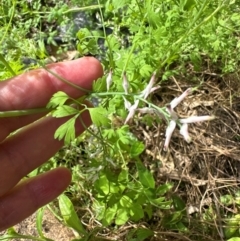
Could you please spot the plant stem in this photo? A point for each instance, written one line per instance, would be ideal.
(2, 59)
(14, 113)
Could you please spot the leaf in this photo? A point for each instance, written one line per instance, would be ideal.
(163, 189)
(232, 226)
(139, 234)
(57, 99)
(145, 176)
(136, 212)
(136, 148)
(234, 239)
(161, 203)
(66, 131)
(102, 185)
(146, 70)
(120, 3)
(122, 216)
(99, 117)
(100, 85)
(64, 110)
(39, 218)
(125, 201)
(109, 215)
(178, 203)
(69, 215)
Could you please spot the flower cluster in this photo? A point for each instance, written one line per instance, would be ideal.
(173, 119)
(182, 122)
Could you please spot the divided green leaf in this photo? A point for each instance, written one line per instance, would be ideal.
(57, 99)
(99, 117)
(66, 130)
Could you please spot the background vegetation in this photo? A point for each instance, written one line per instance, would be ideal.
(125, 187)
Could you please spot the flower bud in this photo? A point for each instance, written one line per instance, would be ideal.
(148, 88)
(109, 79)
(125, 83)
(184, 133)
(179, 99)
(168, 135)
(132, 111)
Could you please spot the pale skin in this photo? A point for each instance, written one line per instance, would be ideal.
(35, 144)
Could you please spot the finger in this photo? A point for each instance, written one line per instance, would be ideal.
(31, 147)
(32, 194)
(35, 88)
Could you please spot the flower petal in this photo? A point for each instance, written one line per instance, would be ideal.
(179, 99)
(184, 133)
(172, 113)
(146, 110)
(132, 111)
(148, 88)
(127, 104)
(168, 135)
(193, 119)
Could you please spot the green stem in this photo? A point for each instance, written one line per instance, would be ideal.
(65, 80)
(2, 59)
(14, 113)
(72, 10)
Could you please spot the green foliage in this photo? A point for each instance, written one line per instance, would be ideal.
(69, 215)
(120, 197)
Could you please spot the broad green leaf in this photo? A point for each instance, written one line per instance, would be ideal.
(66, 130)
(39, 218)
(57, 99)
(139, 234)
(122, 216)
(136, 212)
(227, 199)
(145, 176)
(125, 201)
(123, 176)
(64, 110)
(109, 215)
(136, 148)
(163, 189)
(172, 218)
(232, 227)
(120, 3)
(178, 203)
(99, 117)
(69, 215)
(102, 185)
(234, 239)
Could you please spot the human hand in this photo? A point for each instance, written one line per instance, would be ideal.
(34, 144)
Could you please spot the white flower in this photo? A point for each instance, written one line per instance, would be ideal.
(132, 110)
(168, 135)
(184, 133)
(183, 122)
(149, 88)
